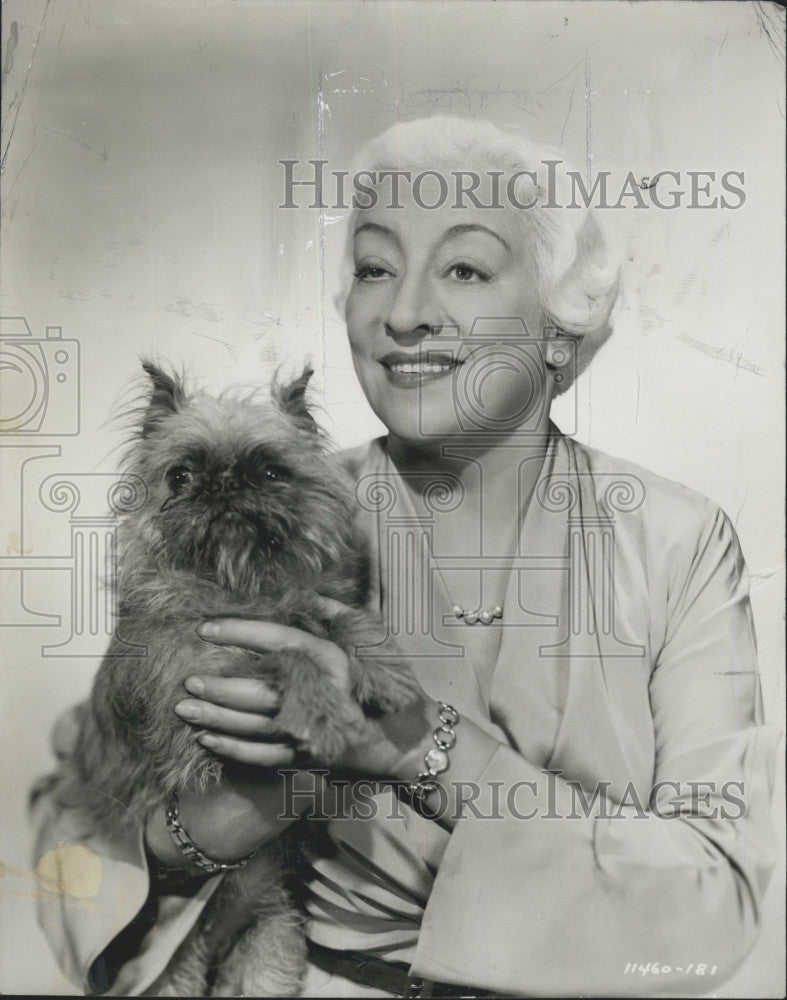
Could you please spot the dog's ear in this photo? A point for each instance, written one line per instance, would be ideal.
(291, 399)
(167, 396)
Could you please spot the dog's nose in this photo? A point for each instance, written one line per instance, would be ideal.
(227, 482)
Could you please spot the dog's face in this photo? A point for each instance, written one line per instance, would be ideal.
(238, 490)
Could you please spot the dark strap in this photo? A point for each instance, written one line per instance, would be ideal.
(391, 977)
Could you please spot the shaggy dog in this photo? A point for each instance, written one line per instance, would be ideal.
(245, 514)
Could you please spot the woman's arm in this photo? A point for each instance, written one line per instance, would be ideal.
(113, 915)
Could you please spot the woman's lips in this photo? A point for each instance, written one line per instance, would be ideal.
(407, 372)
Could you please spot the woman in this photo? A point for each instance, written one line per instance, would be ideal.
(593, 815)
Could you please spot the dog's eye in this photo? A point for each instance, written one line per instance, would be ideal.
(259, 470)
(179, 477)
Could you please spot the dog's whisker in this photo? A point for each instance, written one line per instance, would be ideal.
(100, 791)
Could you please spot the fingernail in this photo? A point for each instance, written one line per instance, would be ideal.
(207, 740)
(208, 629)
(195, 685)
(188, 709)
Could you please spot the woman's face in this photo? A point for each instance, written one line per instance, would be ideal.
(444, 322)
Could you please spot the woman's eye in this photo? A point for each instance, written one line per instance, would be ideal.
(179, 477)
(466, 273)
(371, 273)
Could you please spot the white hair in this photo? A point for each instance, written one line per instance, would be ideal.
(577, 272)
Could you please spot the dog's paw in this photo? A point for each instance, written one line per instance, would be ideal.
(387, 685)
(268, 960)
(381, 677)
(321, 718)
(325, 742)
(323, 726)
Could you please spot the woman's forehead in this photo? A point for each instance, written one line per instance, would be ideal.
(410, 222)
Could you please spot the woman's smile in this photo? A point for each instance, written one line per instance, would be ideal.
(425, 284)
(409, 371)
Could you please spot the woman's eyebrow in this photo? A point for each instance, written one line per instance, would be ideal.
(470, 227)
(376, 228)
(457, 230)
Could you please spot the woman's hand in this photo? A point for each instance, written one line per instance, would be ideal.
(253, 803)
(240, 712)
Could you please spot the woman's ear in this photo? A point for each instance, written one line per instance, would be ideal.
(167, 396)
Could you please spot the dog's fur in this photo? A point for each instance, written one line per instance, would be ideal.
(246, 514)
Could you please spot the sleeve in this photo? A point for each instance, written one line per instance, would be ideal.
(577, 901)
(109, 925)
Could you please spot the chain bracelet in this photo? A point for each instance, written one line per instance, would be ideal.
(436, 758)
(190, 850)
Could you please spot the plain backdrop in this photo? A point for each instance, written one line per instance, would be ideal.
(140, 193)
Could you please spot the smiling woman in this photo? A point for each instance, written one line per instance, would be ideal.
(419, 287)
(569, 267)
(417, 272)
(582, 781)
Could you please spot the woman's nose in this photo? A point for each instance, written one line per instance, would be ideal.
(413, 311)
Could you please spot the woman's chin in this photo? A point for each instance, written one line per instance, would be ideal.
(422, 430)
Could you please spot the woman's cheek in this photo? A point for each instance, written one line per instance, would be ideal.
(361, 313)
(469, 304)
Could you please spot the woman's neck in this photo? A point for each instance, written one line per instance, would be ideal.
(495, 457)
(497, 478)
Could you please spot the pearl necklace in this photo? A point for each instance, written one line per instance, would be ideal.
(485, 617)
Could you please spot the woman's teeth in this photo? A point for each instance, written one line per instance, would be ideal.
(421, 367)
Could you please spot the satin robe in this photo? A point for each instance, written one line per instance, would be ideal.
(626, 670)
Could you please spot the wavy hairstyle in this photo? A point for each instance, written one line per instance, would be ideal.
(578, 273)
